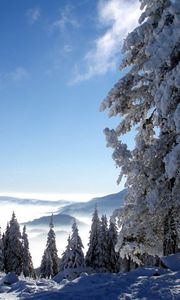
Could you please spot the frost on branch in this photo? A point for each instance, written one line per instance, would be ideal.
(121, 154)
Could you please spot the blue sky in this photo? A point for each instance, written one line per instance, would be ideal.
(58, 61)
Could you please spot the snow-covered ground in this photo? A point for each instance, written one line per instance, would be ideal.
(142, 283)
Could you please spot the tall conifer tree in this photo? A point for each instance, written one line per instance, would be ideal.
(76, 246)
(66, 257)
(112, 241)
(93, 253)
(1, 253)
(13, 250)
(147, 97)
(28, 269)
(103, 245)
(49, 263)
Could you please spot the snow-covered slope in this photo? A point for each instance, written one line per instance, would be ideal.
(138, 284)
(171, 261)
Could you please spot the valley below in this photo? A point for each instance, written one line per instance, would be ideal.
(35, 214)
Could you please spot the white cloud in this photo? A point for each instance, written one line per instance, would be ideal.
(67, 48)
(118, 17)
(14, 76)
(65, 19)
(17, 74)
(33, 15)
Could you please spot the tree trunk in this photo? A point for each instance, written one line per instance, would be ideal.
(170, 245)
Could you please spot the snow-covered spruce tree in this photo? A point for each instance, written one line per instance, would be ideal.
(66, 257)
(52, 247)
(76, 252)
(1, 253)
(5, 239)
(104, 255)
(93, 253)
(13, 250)
(27, 268)
(148, 97)
(46, 268)
(112, 241)
(49, 263)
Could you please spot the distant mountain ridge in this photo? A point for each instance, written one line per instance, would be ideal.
(106, 205)
(67, 211)
(58, 219)
(20, 201)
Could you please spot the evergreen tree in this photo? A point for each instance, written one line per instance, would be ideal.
(76, 246)
(112, 241)
(93, 253)
(52, 247)
(13, 250)
(46, 268)
(49, 263)
(104, 257)
(66, 257)
(1, 253)
(5, 239)
(28, 269)
(147, 97)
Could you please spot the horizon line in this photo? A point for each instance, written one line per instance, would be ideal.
(53, 196)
